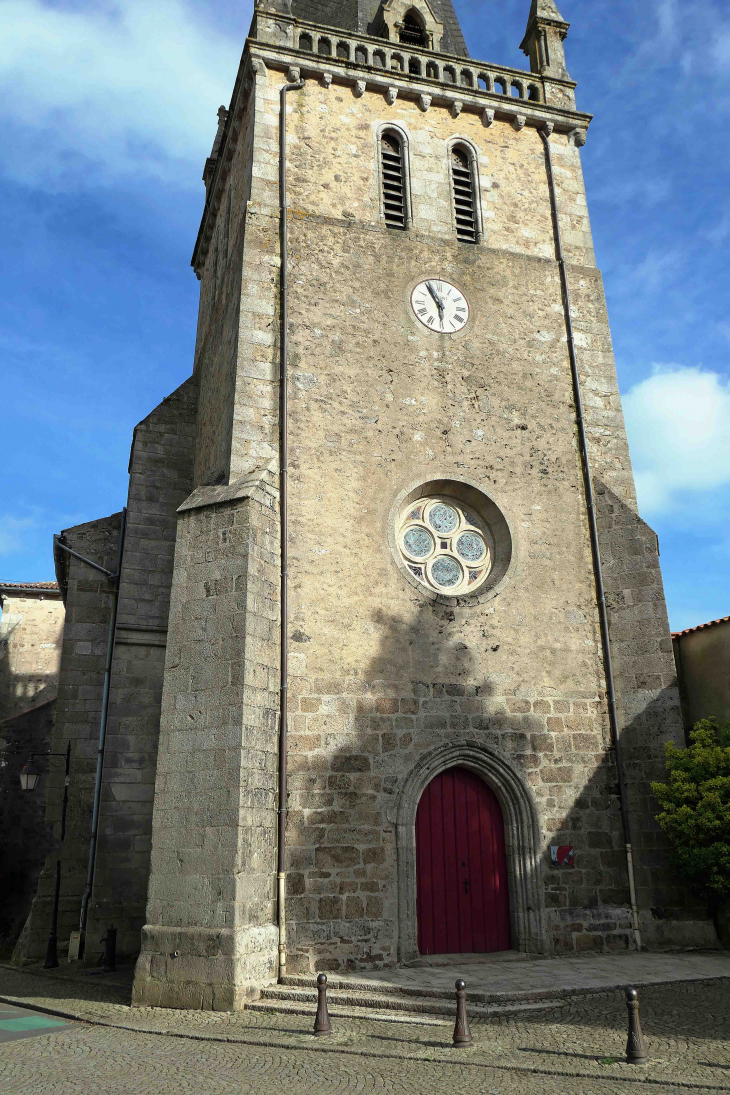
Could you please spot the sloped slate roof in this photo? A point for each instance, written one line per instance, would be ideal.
(358, 16)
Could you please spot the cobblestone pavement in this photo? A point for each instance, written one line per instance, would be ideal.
(575, 1049)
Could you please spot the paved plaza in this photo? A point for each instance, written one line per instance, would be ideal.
(572, 1046)
(510, 973)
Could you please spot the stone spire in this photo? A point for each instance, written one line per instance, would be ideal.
(543, 41)
(366, 17)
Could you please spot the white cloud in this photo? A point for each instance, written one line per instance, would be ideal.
(677, 422)
(129, 87)
(656, 269)
(11, 533)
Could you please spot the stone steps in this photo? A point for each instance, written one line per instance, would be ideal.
(364, 1001)
(337, 1011)
(407, 992)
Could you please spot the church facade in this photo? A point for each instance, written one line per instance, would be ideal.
(447, 746)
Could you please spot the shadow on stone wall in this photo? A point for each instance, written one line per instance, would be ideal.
(427, 686)
(26, 836)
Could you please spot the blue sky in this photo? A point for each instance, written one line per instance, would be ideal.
(107, 112)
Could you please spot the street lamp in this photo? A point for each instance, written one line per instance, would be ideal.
(29, 777)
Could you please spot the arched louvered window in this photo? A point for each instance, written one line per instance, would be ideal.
(465, 208)
(412, 32)
(394, 182)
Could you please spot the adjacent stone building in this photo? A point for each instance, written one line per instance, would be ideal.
(702, 656)
(453, 783)
(31, 628)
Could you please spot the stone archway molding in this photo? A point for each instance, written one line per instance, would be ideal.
(522, 838)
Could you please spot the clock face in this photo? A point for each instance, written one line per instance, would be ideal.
(440, 306)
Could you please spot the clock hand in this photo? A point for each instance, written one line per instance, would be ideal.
(437, 299)
(439, 302)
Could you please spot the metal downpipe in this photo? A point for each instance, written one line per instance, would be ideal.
(284, 527)
(595, 546)
(102, 739)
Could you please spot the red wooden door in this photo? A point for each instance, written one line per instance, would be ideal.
(461, 867)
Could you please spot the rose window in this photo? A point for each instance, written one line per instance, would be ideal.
(445, 545)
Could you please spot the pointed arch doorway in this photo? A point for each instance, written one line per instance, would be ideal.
(461, 867)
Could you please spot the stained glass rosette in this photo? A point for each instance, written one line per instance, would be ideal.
(444, 545)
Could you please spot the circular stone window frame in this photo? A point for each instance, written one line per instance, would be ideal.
(465, 492)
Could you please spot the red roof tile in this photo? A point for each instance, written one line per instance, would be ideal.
(700, 627)
(28, 585)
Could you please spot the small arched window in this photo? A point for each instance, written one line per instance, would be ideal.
(412, 32)
(393, 180)
(465, 206)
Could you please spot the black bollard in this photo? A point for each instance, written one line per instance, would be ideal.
(636, 1052)
(109, 961)
(322, 1023)
(462, 1034)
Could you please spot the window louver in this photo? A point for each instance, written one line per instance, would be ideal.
(464, 205)
(394, 199)
(411, 32)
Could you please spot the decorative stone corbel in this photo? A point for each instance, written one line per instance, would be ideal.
(326, 79)
(547, 128)
(424, 102)
(359, 88)
(294, 75)
(518, 122)
(257, 66)
(391, 95)
(577, 137)
(456, 108)
(487, 118)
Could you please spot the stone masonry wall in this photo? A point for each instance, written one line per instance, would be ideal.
(78, 713)
(384, 674)
(31, 628)
(645, 673)
(161, 467)
(235, 331)
(210, 940)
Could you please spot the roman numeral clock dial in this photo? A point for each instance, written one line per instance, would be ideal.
(439, 306)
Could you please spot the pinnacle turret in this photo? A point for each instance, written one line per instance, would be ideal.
(544, 9)
(544, 37)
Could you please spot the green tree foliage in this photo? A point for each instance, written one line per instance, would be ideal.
(695, 811)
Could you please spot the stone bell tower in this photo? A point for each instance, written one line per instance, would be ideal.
(453, 781)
